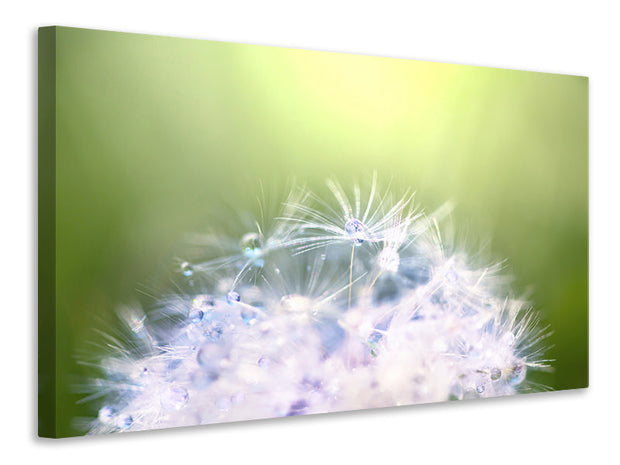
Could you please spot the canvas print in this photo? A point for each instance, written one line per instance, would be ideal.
(233, 232)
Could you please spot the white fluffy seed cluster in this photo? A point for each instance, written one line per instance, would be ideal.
(350, 304)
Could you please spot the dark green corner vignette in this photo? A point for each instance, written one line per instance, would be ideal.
(47, 232)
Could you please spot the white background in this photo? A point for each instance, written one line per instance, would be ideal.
(563, 37)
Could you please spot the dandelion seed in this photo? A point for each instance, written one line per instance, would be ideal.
(389, 260)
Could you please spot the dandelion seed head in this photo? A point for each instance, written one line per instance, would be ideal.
(291, 320)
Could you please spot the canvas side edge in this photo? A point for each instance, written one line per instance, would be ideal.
(46, 229)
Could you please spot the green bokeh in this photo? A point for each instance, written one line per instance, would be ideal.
(153, 132)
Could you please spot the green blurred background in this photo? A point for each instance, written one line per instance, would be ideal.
(153, 132)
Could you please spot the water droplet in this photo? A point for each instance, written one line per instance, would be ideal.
(106, 415)
(496, 374)
(173, 398)
(214, 333)
(323, 256)
(124, 421)
(296, 303)
(254, 297)
(251, 245)
(264, 362)
(248, 315)
(210, 356)
(297, 408)
(517, 374)
(233, 297)
(201, 380)
(480, 388)
(356, 231)
(187, 269)
(196, 315)
(174, 364)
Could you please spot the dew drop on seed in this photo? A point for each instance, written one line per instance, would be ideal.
(480, 388)
(356, 231)
(201, 380)
(297, 408)
(496, 374)
(248, 315)
(174, 398)
(196, 315)
(233, 297)
(106, 414)
(214, 333)
(251, 245)
(124, 421)
(187, 269)
(517, 374)
(209, 357)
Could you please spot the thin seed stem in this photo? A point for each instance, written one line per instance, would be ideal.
(351, 274)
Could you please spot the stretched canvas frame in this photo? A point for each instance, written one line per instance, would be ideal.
(230, 232)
